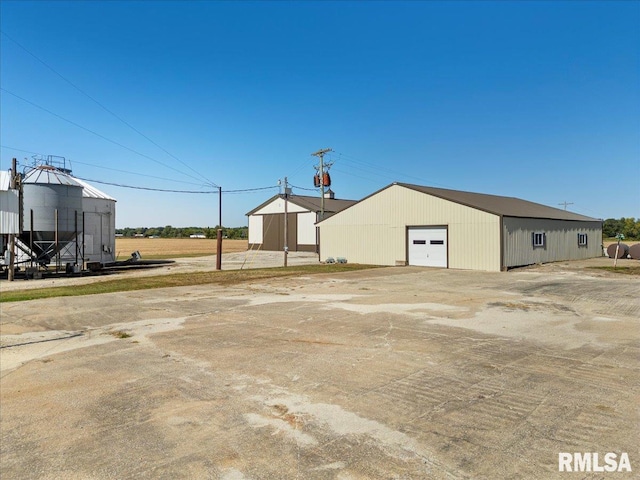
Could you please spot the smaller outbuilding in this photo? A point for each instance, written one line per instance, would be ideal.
(99, 212)
(266, 221)
(9, 206)
(405, 224)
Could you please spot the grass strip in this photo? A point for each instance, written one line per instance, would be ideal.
(219, 277)
(624, 270)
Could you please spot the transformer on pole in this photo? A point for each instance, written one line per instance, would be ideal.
(322, 178)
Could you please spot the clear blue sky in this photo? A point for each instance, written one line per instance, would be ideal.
(538, 100)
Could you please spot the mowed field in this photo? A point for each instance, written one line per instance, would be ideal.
(174, 247)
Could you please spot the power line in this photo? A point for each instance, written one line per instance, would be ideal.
(145, 188)
(383, 172)
(104, 168)
(244, 190)
(98, 134)
(105, 108)
(237, 191)
(20, 150)
(308, 189)
(136, 173)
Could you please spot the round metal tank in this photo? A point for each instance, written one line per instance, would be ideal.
(623, 251)
(45, 191)
(634, 251)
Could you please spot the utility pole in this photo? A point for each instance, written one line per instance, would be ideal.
(321, 171)
(565, 204)
(219, 238)
(286, 220)
(12, 236)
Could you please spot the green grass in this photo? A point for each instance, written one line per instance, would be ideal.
(615, 240)
(623, 270)
(224, 277)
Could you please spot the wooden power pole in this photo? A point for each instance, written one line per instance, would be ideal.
(321, 171)
(286, 220)
(12, 236)
(219, 233)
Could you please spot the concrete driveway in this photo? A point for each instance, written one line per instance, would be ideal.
(403, 373)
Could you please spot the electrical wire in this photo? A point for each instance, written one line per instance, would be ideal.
(98, 134)
(247, 190)
(237, 191)
(145, 188)
(308, 189)
(106, 109)
(383, 172)
(20, 150)
(135, 173)
(244, 190)
(102, 167)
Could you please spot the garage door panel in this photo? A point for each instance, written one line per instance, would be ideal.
(427, 246)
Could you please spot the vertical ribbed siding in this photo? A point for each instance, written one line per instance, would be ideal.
(307, 228)
(561, 242)
(255, 229)
(9, 212)
(374, 230)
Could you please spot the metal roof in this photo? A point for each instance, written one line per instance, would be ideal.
(504, 206)
(495, 204)
(89, 191)
(331, 205)
(45, 174)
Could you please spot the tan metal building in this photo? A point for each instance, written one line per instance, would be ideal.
(405, 224)
(266, 222)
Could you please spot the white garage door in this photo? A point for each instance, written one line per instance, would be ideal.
(428, 246)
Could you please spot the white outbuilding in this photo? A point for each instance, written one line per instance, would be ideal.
(99, 234)
(266, 221)
(405, 224)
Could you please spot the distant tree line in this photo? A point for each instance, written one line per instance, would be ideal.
(185, 232)
(629, 227)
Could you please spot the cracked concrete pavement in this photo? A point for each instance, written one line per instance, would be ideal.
(388, 373)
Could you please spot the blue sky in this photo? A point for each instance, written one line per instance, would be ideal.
(537, 100)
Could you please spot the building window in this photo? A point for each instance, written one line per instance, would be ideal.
(582, 239)
(539, 239)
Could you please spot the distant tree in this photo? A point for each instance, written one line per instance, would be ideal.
(629, 227)
(184, 232)
(236, 233)
(167, 232)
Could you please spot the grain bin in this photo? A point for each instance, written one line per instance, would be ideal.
(52, 211)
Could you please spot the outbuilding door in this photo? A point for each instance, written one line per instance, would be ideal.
(427, 246)
(273, 232)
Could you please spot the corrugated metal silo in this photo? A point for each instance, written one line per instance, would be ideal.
(55, 199)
